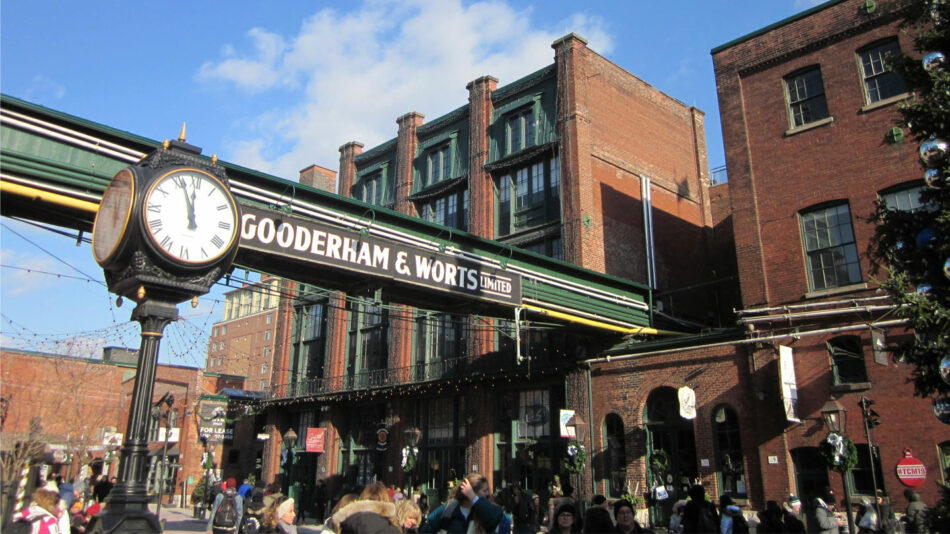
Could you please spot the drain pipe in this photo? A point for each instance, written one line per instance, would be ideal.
(590, 431)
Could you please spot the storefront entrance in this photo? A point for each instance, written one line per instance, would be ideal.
(671, 453)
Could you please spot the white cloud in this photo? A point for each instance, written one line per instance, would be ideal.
(26, 272)
(350, 75)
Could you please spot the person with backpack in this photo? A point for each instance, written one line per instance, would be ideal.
(699, 515)
(42, 516)
(227, 511)
(254, 513)
(471, 501)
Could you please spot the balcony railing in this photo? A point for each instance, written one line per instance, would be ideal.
(718, 175)
(386, 378)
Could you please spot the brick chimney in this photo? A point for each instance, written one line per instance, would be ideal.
(348, 166)
(319, 177)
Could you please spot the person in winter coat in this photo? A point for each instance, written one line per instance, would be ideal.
(914, 517)
(565, 520)
(792, 516)
(471, 503)
(626, 518)
(228, 489)
(43, 513)
(373, 513)
(826, 516)
(868, 522)
(286, 516)
(770, 520)
(699, 515)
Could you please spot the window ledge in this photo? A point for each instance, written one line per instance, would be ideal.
(809, 126)
(835, 290)
(850, 387)
(884, 103)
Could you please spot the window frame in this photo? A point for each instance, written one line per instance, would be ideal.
(866, 470)
(848, 346)
(615, 455)
(865, 57)
(525, 121)
(906, 189)
(846, 249)
(521, 192)
(796, 106)
(438, 209)
(729, 430)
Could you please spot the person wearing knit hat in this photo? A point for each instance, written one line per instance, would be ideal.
(792, 516)
(286, 516)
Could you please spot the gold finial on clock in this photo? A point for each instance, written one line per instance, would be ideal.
(214, 159)
(181, 136)
(166, 143)
(194, 301)
(140, 293)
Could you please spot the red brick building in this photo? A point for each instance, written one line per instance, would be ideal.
(580, 161)
(80, 403)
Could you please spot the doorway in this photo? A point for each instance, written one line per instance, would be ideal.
(671, 453)
(811, 479)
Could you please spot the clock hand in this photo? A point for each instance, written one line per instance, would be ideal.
(190, 203)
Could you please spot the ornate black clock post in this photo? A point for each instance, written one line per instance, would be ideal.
(166, 231)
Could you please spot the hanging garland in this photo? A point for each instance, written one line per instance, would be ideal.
(576, 457)
(839, 452)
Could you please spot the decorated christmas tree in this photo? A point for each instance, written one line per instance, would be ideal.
(913, 246)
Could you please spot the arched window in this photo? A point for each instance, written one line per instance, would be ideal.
(730, 463)
(615, 461)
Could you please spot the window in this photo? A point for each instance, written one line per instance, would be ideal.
(310, 343)
(370, 189)
(847, 360)
(730, 465)
(263, 384)
(615, 463)
(263, 367)
(450, 210)
(438, 165)
(224, 330)
(945, 461)
(880, 82)
(806, 97)
(441, 340)
(862, 474)
(270, 318)
(368, 336)
(904, 199)
(267, 335)
(528, 197)
(550, 247)
(520, 131)
(831, 255)
(534, 415)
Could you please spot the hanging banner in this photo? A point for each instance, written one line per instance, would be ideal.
(567, 431)
(789, 384)
(687, 402)
(212, 421)
(315, 439)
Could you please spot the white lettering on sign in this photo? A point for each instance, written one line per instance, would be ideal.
(309, 240)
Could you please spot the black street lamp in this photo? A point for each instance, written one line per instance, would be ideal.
(835, 417)
(290, 441)
(169, 415)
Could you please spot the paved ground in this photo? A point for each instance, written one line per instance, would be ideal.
(181, 520)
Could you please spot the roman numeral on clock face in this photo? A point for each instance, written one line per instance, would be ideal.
(217, 241)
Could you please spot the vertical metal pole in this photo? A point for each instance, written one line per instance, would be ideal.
(847, 500)
(161, 472)
(865, 406)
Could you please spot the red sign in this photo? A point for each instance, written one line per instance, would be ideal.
(911, 471)
(315, 437)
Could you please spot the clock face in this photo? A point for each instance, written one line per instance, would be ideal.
(190, 217)
(112, 219)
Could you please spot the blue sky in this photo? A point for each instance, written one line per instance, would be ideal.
(278, 86)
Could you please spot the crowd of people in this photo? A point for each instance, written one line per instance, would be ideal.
(63, 507)
(472, 508)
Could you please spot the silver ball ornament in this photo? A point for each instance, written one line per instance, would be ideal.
(945, 369)
(934, 179)
(924, 289)
(946, 268)
(933, 150)
(933, 61)
(925, 237)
